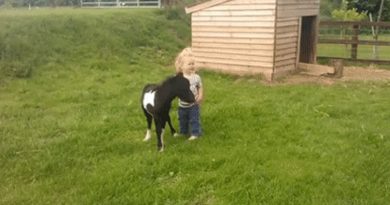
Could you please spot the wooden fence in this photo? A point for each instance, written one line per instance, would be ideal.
(355, 29)
(120, 3)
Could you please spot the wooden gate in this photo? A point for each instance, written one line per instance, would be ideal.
(355, 35)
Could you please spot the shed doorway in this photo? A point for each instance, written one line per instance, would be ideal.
(308, 39)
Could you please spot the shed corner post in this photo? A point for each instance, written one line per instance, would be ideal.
(274, 49)
(317, 32)
(298, 42)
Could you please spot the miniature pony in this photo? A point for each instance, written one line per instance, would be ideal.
(156, 102)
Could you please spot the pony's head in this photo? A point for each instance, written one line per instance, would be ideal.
(182, 88)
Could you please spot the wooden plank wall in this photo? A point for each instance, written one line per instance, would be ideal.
(236, 36)
(295, 8)
(286, 48)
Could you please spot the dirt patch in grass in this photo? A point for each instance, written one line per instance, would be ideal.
(351, 73)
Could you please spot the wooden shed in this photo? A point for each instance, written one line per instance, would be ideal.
(266, 37)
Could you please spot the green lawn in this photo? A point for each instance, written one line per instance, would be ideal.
(364, 51)
(71, 131)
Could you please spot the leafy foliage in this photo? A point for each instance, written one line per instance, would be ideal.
(327, 6)
(345, 14)
(371, 6)
(348, 15)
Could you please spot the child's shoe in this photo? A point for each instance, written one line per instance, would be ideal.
(193, 138)
(177, 134)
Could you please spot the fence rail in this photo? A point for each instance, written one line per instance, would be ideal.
(353, 23)
(120, 4)
(355, 30)
(358, 42)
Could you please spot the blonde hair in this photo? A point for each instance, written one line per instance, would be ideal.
(184, 56)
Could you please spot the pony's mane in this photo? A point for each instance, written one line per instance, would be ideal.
(169, 79)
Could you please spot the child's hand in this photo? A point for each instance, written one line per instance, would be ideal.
(198, 100)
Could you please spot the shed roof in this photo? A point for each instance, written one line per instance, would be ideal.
(204, 5)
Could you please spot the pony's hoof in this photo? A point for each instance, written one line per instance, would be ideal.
(160, 149)
(176, 134)
(148, 135)
(147, 138)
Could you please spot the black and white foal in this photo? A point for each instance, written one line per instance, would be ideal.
(156, 102)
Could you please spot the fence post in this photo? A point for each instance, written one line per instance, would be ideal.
(338, 65)
(355, 39)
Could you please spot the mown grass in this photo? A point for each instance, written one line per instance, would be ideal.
(364, 51)
(72, 132)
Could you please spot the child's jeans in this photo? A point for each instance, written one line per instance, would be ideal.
(189, 120)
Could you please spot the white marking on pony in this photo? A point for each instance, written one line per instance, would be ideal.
(148, 99)
(162, 140)
(148, 135)
(162, 133)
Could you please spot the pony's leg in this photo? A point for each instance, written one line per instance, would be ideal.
(149, 120)
(163, 123)
(160, 143)
(173, 131)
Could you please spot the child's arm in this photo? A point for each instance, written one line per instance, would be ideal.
(199, 99)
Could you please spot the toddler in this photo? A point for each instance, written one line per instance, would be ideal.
(189, 113)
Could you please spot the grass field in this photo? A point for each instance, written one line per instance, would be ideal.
(364, 51)
(71, 130)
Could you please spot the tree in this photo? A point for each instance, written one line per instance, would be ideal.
(327, 6)
(376, 9)
(371, 7)
(348, 15)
